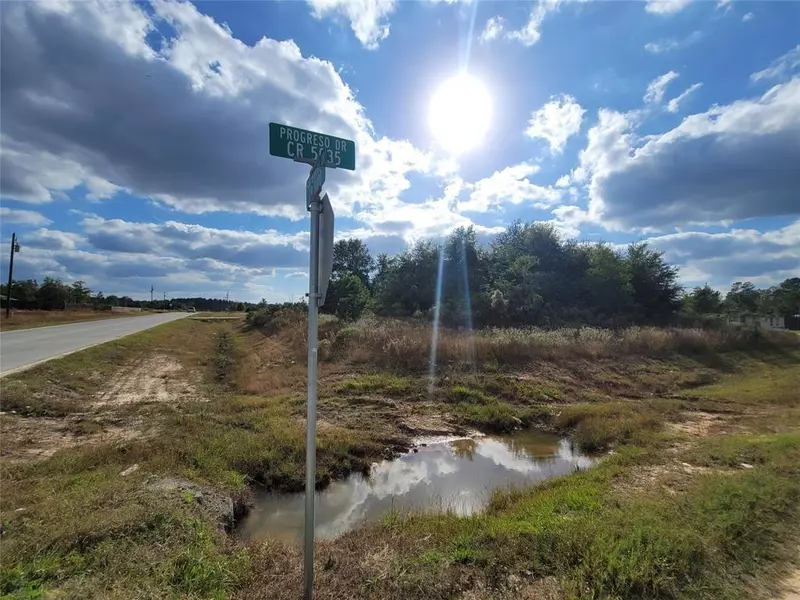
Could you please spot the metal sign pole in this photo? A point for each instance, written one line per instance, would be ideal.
(314, 206)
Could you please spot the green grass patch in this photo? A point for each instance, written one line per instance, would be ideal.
(497, 416)
(732, 451)
(377, 383)
(763, 383)
(706, 543)
(599, 426)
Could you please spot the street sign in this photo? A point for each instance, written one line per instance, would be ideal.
(306, 146)
(315, 180)
(325, 248)
(321, 151)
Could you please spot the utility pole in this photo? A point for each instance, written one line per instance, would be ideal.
(14, 249)
(151, 293)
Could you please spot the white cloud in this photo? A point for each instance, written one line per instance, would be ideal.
(747, 17)
(195, 137)
(765, 258)
(494, 27)
(729, 163)
(37, 176)
(22, 217)
(674, 104)
(671, 44)
(117, 256)
(253, 250)
(126, 274)
(368, 18)
(568, 219)
(556, 121)
(781, 66)
(530, 33)
(609, 144)
(51, 239)
(666, 7)
(508, 186)
(658, 87)
(297, 274)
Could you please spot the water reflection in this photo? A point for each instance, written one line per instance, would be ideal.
(458, 475)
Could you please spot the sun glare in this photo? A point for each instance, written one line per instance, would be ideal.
(460, 112)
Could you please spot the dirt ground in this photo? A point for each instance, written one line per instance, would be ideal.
(791, 585)
(33, 438)
(154, 379)
(158, 378)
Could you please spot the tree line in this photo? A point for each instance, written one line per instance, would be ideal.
(530, 276)
(744, 298)
(54, 294)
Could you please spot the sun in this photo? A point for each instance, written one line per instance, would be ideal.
(460, 113)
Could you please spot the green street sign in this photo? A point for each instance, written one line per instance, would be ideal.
(306, 146)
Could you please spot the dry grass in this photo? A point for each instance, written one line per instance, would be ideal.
(87, 531)
(402, 345)
(27, 319)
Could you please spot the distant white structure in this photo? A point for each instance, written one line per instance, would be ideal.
(756, 320)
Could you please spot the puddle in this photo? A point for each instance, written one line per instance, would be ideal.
(457, 474)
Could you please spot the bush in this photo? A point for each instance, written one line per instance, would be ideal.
(274, 317)
(352, 297)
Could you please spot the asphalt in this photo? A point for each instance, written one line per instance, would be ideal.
(26, 347)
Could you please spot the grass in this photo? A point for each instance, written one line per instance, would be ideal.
(705, 543)
(400, 345)
(377, 383)
(64, 386)
(597, 427)
(609, 532)
(760, 384)
(28, 319)
(225, 356)
(139, 541)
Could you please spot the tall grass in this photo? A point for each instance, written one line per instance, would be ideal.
(395, 343)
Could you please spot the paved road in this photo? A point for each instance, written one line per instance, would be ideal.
(26, 347)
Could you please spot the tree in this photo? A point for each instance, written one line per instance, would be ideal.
(787, 297)
(609, 293)
(352, 256)
(408, 284)
(742, 297)
(52, 294)
(656, 292)
(352, 297)
(79, 293)
(704, 301)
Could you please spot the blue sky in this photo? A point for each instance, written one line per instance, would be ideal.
(135, 135)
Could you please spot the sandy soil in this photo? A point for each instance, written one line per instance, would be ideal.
(34, 438)
(791, 586)
(158, 378)
(699, 423)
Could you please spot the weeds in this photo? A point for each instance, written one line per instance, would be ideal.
(377, 383)
(598, 426)
(224, 357)
(401, 345)
(85, 531)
